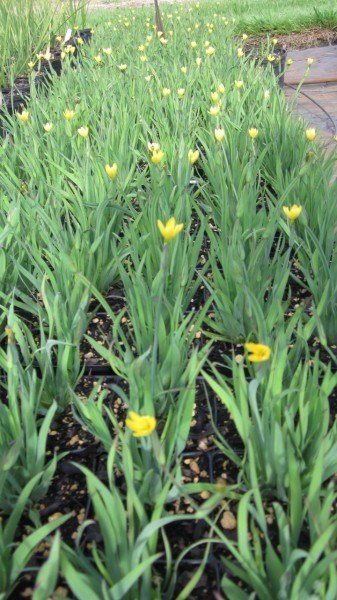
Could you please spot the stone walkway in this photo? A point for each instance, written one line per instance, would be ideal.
(317, 102)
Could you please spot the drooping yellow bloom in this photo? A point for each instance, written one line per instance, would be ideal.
(157, 156)
(238, 83)
(181, 92)
(253, 132)
(170, 230)
(141, 426)
(166, 91)
(68, 114)
(219, 134)
(293, 212)
(111, 171)
(257, 352)
(193, 156)
(48, 127)
(83, 131)
(214, 111)
(310, 61)
(240, 53)
(311, 133)
(24, 116)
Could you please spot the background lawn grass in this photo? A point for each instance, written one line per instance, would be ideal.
(257, 16)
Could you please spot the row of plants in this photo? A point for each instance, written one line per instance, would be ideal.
(166, 218)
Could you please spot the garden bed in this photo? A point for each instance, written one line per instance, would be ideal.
(211, 337)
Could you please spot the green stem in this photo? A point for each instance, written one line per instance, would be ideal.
(163, 266)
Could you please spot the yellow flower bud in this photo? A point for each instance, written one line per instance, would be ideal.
(83, 131)
(48, 127)
(24, 116)
(111, 171)
(193, 156)
(311, 133)
(219, 134)
(157, 156)
(68, 114)
(253, 132)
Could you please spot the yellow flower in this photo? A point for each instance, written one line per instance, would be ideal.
(39, 56)
(210, 51)
(63, 55)
(198, 61)
(244, 36)
(214, 111)
(293, 212)
(68, 114)
(24, 116)
(240, 53)
(31, 64)
(270, 58)
(107, 51)
(181, 92)
(274, 40)
(111, 171)
(141, 48)
(184, 70)
(79, 41)
(98, 59)
(238, 84)
(221, 88)
(193, 156)
(258, 352)
(48, 127)
(58, 38)
(311, 133)
(83, 131)
(253, 132)
(122, 67)
(266, 94)
(214, 96)
(166, 91)
(143, 57)
(157, 156)
(163, 41)
(193, 44)
(170, 230)
(310, 61)
(148, 78)
(219, 134)
(290, 61)
(141, 426)
(47, 55)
